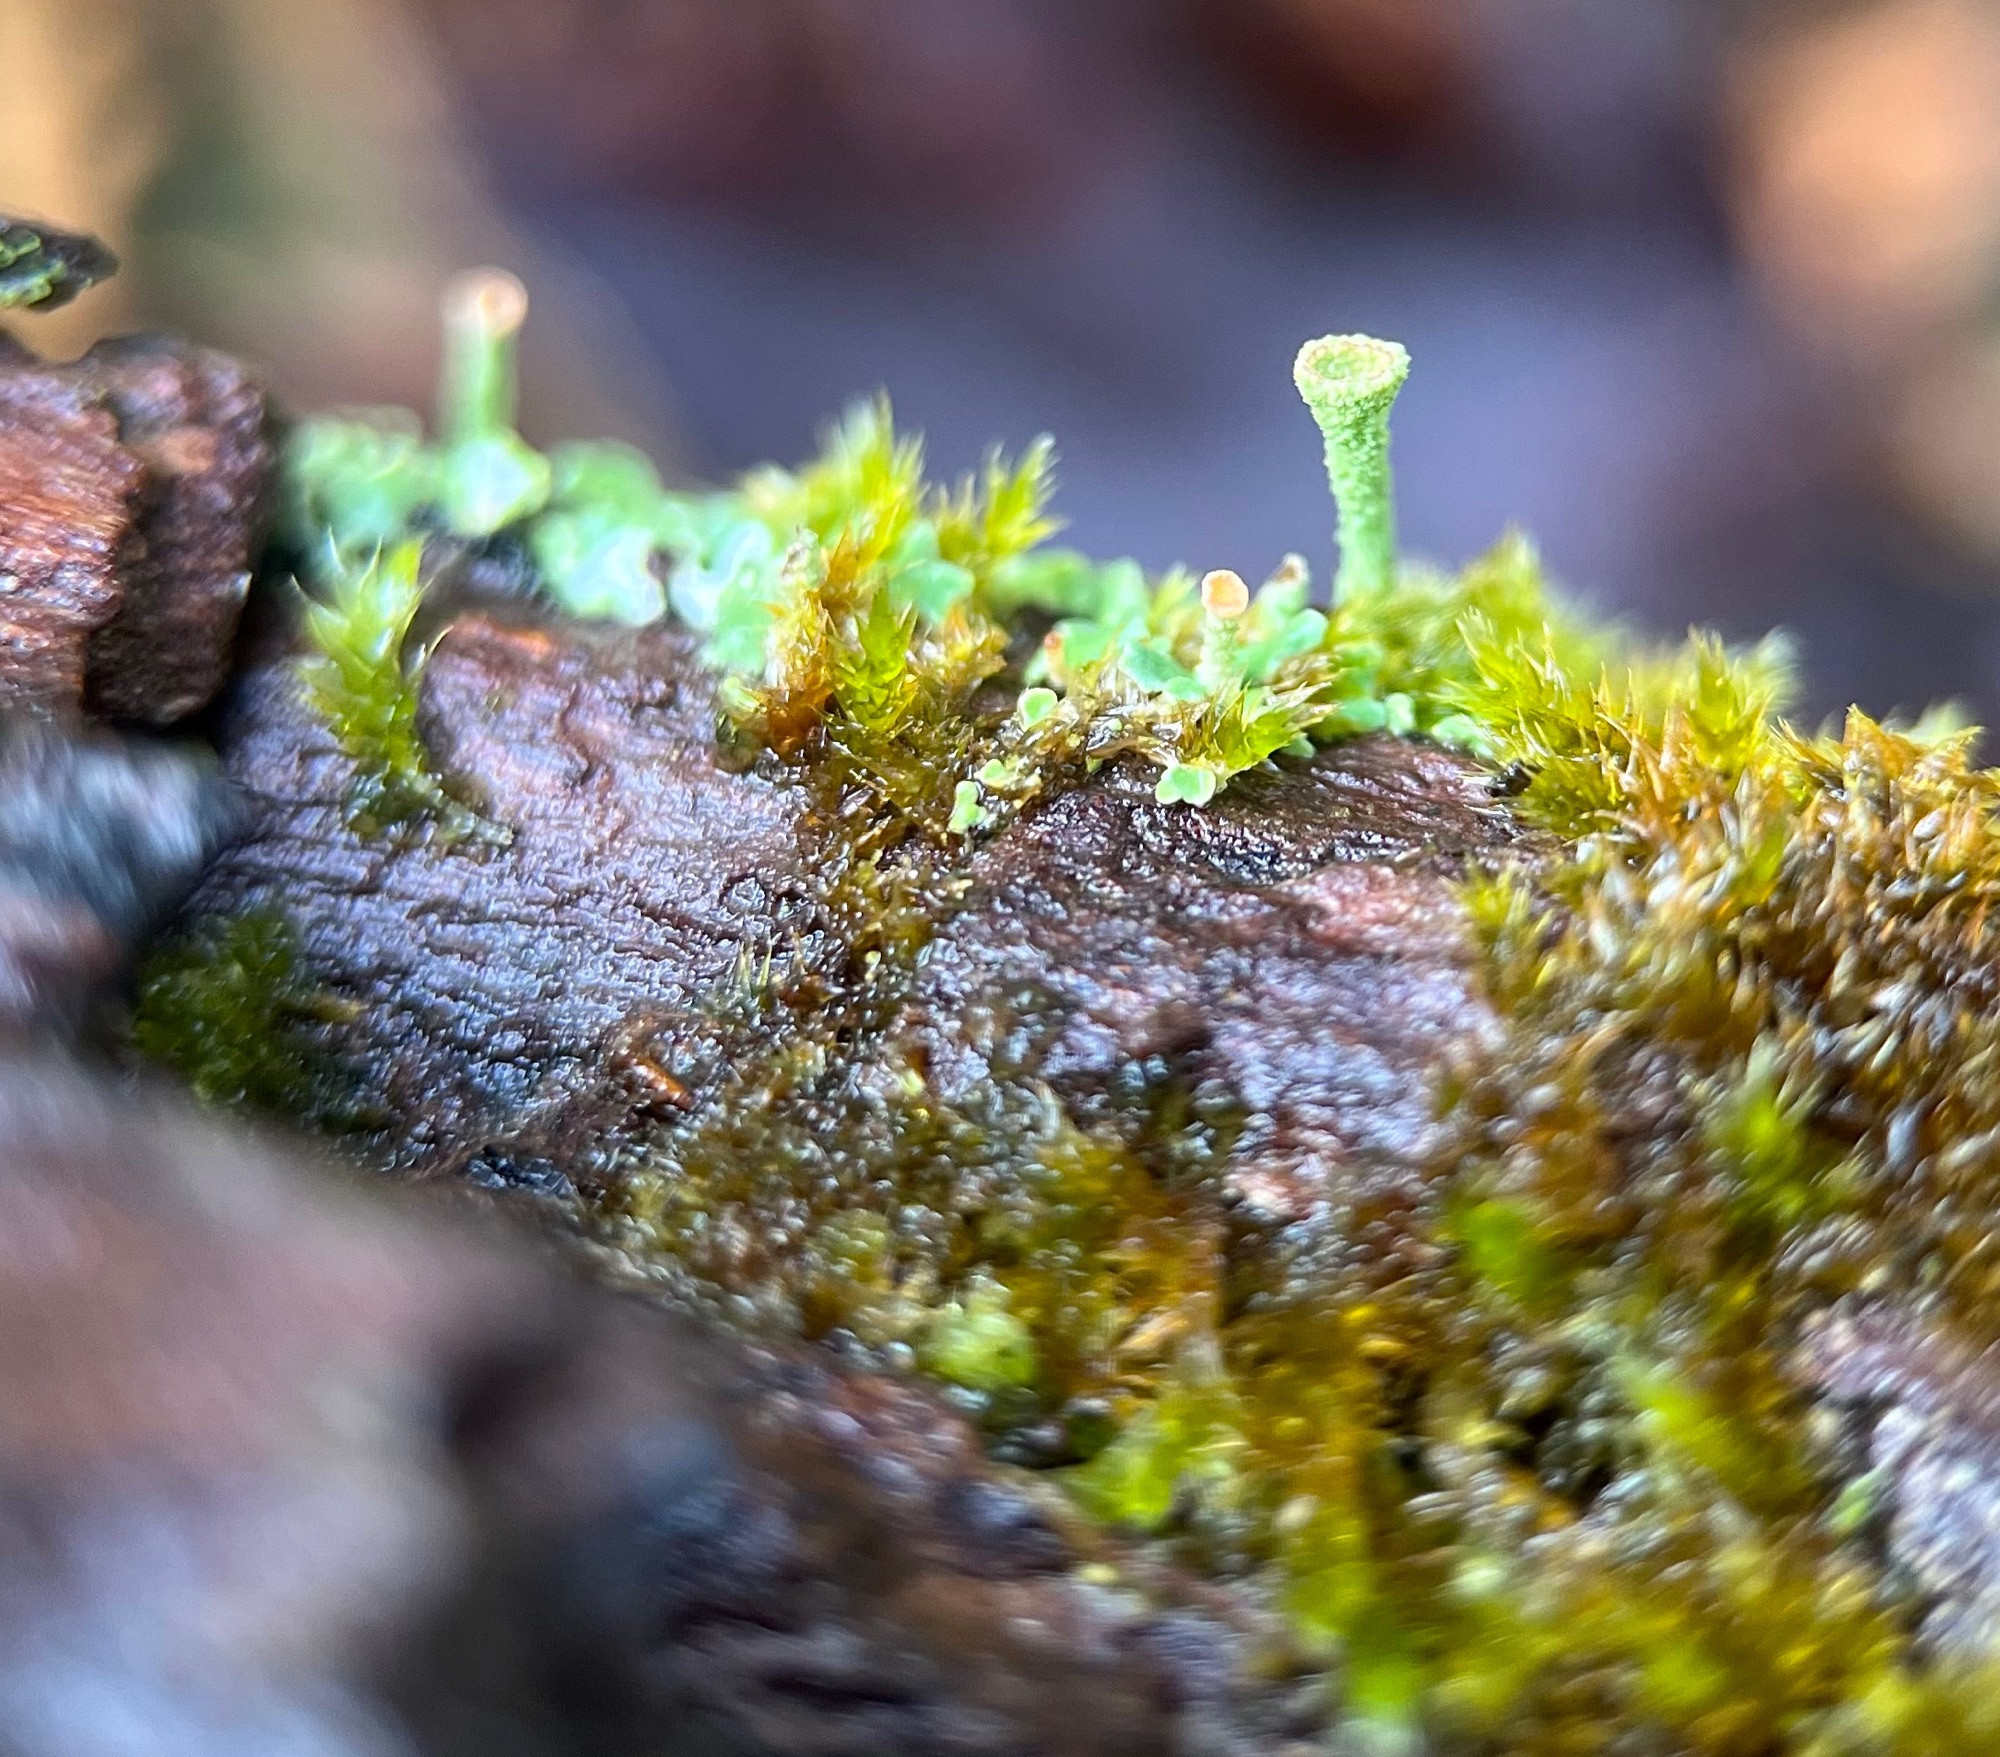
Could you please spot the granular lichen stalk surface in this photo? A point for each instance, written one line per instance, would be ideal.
(1557, 1483)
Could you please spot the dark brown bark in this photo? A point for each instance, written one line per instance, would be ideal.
(495, 985)
(132, 500)
(1292, 950)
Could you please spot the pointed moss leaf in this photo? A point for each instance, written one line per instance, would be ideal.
(359, 679)
(1185, 784)
(488, 483)
(1014, 500)
(872, 675)
(1249, 726)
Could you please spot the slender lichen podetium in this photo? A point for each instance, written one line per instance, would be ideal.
(1351, 383)
(490, 477)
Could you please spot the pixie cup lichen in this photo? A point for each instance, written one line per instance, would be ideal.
(1351, 383)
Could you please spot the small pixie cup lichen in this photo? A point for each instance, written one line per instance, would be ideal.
(1351, 383)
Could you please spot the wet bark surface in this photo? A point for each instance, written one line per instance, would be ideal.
(133, 489)
(494, 985)
(1293, 952)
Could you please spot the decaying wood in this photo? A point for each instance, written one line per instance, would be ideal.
(132, 500)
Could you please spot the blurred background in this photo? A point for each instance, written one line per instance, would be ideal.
(1704, 293)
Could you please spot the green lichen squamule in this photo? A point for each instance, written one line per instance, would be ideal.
(41, 269)
(1351, 383)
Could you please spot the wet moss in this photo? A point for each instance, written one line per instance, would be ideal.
(1545, 1481)
(361, 675)
(1560, 1489)
(231, 1009)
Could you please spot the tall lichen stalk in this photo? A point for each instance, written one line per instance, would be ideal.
(1351, 383)
(1554, 1484)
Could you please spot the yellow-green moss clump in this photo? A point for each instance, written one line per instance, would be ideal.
(231, 1010)
(1548, 1486)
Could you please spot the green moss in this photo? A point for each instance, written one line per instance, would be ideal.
(231, 1010)
(1538, 1479)
(363, 679)
(1558, 1483)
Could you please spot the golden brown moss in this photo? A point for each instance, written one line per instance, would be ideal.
(1563, 1482)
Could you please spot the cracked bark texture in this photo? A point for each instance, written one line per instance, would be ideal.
(1293, 950)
